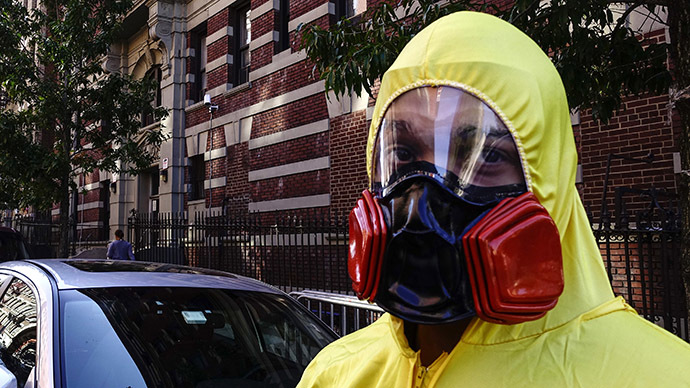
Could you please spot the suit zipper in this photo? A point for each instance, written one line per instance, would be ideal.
(419, 379)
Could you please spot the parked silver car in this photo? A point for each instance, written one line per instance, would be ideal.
(99, 323)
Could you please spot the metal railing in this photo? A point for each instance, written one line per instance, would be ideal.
(294, 252)
(643, 267)
(309, 252)
(343, 313)
(641, 252)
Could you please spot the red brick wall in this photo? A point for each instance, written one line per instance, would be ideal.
(300, 7)
(641, 276)
(90, 196)
(237, 190)
(263, 24)
(240, 161)
(217, 22)
(308, 147)
(348, 159)
(262, 56)
(300, 112)
(218, 48)
(216, 168)
(217, 138)
(641, 127)
(217, 77)
(217, 197)
(275, 84)
(296, 185)
(88, 215)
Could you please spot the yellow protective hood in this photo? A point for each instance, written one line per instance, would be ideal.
(590, 339)
(499, 64)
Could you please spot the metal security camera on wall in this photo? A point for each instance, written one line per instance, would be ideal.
(207, 101)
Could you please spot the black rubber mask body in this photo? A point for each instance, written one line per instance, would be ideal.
(424, 275)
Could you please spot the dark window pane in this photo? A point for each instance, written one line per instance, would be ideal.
(197, 175)
(198, 64)
(153, 74)
(241, 53)
(284, 20)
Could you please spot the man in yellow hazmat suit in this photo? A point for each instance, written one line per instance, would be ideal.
(473, 238)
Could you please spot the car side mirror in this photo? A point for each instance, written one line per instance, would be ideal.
(7, 379)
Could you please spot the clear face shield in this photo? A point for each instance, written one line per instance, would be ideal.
(451, 136)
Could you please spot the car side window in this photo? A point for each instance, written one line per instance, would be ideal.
(280, 335)
(18, 321)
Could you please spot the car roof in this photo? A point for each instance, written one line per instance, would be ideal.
(95, 273)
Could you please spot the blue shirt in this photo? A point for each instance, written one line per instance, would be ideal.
(120, 250)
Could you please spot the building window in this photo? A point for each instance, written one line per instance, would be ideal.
(155, 74)
(198, 43)
(104, 211)
(349, 8)
(283, 32)
(197, 175)
(241, 52)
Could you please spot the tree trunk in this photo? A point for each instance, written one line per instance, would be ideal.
(63, 250)
(679, 29)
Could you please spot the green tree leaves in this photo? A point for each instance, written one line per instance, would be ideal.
(66, 115)
(599, 59)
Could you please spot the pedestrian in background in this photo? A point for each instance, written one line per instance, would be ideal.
(120, 249)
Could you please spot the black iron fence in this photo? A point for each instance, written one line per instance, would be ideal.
(293, 253)
(641, 251)
(299, 252)
(643, 267)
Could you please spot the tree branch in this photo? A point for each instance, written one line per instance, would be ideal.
(627, 13)
(529, 7)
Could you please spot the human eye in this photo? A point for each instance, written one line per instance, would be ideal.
(400, 154)
(494, 156)
(500, 149)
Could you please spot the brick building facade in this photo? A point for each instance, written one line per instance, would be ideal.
(640, 147)
(276, 143)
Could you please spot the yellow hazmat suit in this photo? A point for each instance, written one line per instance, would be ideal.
(591, 338)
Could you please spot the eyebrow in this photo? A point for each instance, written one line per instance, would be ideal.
(469, 129)
(403, 127)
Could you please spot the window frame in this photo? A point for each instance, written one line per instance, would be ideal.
(283, 21)
(197, 177)
(347, 9)
(198, 64)
(243, 23)
(155, 73)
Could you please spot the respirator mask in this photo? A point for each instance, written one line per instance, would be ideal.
(448, 228)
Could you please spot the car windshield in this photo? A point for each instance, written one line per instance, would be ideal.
(185, 337)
